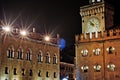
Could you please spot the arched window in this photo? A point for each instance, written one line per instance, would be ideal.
(84, 52)
(29, 55)
(30, 73)
(39, 73)
(85, 68)
(54, 59)
(40, 56)
(20, 53)
(47, 58)
(55, 75)
(110, 50)
(97, 68)
(96, 51)
(10, 52)
(47, 74)
(111, 67)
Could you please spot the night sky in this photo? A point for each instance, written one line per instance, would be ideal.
(51, 16)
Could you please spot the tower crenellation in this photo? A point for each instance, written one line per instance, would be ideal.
(110, 34)
(91, 10)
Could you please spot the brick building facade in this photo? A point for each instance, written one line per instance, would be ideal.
(28, 59)
(97, 48)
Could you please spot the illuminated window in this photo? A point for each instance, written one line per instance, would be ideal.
(96, 51)
(6, 70)
(29, 56)
(10, 52)
(15, 71)
(40, 57)
(47, 58)
(39, 73)
(54, 59)
(111, 67)
(20, 54)
(47, 74)
(93, 0)
(84, 52)
(23, 72)
(85, 68)
(98, 0)
(97, 68)
(31, 73)
(110, 50)
(55, 75)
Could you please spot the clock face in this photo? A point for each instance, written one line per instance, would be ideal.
(93, 25)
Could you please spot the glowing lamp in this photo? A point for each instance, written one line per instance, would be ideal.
(64, 79)
(7, 29)
(23, 33)
(47, 38)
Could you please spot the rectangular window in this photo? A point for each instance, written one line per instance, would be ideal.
(6, 70)
(55, 75)
(23, 72)
(15, 71)
(54, 60)
(39, 73)
(47, 74)
(31, 73)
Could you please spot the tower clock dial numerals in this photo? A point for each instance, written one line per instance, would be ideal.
(93, 25)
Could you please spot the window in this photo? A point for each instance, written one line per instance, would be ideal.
(29, 56)
(15, 71)
(55, 75)
(84, 52)
(47, 74)
(85, 68)
(97, 68)
(110, 50)
(31, 73)
(40, 57)
(93, 0)
(96, 51)
(23, 72)
(111, 67)
(20, 54)
(39, 73)
(98, 0)
(54, 59)
(47, 58)
(10, 52)
(6, 70)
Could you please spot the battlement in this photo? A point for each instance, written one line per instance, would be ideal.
(91, 10)
(98, 36)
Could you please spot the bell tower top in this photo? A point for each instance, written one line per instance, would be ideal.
(95, 1)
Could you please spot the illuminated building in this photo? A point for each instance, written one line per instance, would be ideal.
(67, 71)
(97, 48)
(28, 57)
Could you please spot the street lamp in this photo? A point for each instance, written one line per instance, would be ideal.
(23, 32)
(64, 79)
(7, 28)
(47, 38)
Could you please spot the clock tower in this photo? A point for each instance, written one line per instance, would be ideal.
(97, 16)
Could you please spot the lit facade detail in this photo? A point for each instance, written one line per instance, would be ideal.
(96, 51)
(84, 52)
(111, 67)
(101, 41)
(97, 68)
(85, 68)
(25, 58)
